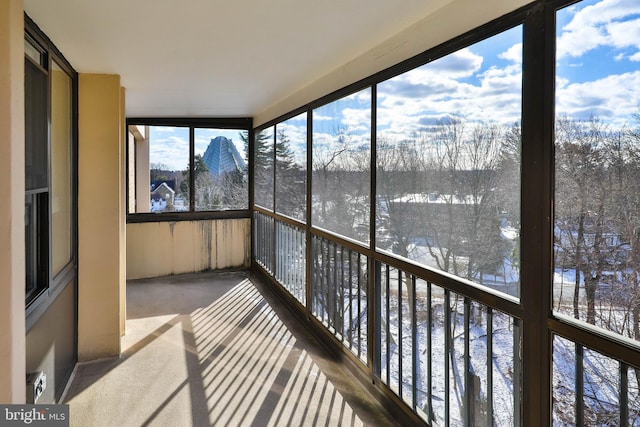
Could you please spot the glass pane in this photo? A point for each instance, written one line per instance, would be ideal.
(564, 382)
(220, 169)
(597, 165)
(341, 166)
(291, 169)
(36, 127)
(168, 167)
(36, 227)
(61, 167)
(34, 52)
(264, 168)
(448, 163)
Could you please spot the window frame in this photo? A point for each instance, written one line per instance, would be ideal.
(36, 306)
(192, 123)
(538, 323)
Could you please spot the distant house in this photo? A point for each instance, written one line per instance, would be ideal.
(222, 156)
(155, 183)
(162, 198)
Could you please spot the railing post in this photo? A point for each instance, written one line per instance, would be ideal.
(374, 323)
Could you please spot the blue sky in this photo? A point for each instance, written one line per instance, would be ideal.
(598, 73)
(598, 60)
(170, 145)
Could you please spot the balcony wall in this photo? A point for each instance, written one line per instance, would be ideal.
(163, 248)
(12, 266)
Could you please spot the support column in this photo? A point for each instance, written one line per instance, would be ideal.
(101, 216)
(12, 255)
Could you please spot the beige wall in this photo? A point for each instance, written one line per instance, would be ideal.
(163, 248)
(122, 222)
(101, 213)
(143, 179)
(450, 21)
(12, 264)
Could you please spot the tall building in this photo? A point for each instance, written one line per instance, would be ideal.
(222, 156)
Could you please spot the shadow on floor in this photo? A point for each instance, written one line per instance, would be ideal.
(216, 349)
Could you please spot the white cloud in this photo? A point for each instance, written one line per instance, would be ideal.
(513, 54)
(164, 129)
(408, 105)
(460, 64)
(613, 98)
(170, 148)
(605, 23)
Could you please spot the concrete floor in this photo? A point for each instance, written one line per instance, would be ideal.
(216, 349)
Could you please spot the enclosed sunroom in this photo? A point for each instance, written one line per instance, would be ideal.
(449, 205)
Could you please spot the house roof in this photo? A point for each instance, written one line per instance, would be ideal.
(227, 58)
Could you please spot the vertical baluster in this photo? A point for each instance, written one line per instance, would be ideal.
(302, 262)
(300, 266)
(415, 358)
(284, 255)
(298, 269)
(351, 283)
(429, 358)
(320, 272)
(316, 257)
(517, 371)
(340, 313)
(489, 366)
(334, 288)
(266, 245)
(400, 371)
(359, 309)
(288, 260)
(468, 375)
(387, 275)
(579, 385)
(259, 239)
(375, 330)
(277, 253)
(326, 270)
(624, 394)
(447, 352)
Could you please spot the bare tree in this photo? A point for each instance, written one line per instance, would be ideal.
(582, 204)
(398, 196)
(461, 163)
(341, 186)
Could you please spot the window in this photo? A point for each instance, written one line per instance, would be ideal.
(264, 178)
(49, 170)
(291, 167)
(597, 200)
(281, 171)
(61, 168)
(474, 166)
(341, 177)
(597, 139)
(448, 162)
(36, 171)
(183, 165)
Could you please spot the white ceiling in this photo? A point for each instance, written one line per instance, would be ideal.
(218, 57)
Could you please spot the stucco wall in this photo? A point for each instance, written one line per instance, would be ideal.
(163, 248)
(100, 215)
(12, 265)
